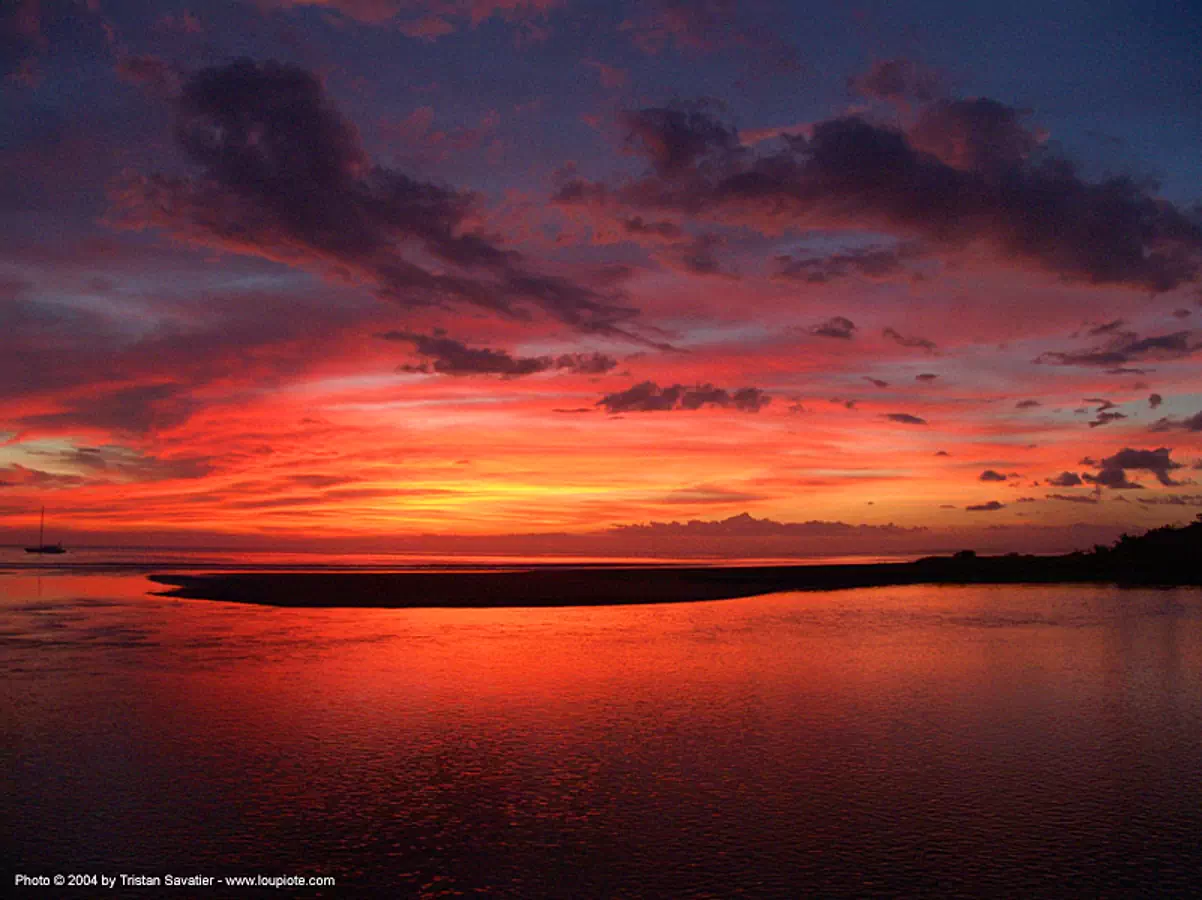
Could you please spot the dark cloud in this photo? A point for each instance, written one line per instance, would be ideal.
(991, 506)
(285, 177)
(1124, 348)
(85, 458)
(968, 172)
(745, 525)
(677, 140)
(978, 135)
(664, 230)
(905, 419)
(134, 410)
(450, 357)
(917, 342)
(836, 327)
(447, 356)
(926, 376)
(1065, 479)
(1173, 500)
(698, 256)
(1115, 479)
(869, 262)
(991, 475)
(586, 363)
(1113, 469)
(1073, 498)
(897, 79)
(1182, 313)
(1190, 423)
(1156, 461)
(1105, 418)
(1154, 400)
(876, 382)
(1107, 328)
(647, 396)
(1027, 404)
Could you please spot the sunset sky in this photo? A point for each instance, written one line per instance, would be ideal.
(886, 278)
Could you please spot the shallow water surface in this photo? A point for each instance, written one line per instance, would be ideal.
(950, 741)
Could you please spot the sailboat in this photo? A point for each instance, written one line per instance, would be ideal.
(42, 546)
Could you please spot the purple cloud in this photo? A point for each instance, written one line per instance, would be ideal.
(647, 396)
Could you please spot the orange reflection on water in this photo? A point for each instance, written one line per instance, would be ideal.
(813, 655)
(50, 585)
(460, 749)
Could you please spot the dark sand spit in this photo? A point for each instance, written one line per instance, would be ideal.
(560, 586)
(523, 587)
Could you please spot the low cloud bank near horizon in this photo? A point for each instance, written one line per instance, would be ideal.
(736, 537)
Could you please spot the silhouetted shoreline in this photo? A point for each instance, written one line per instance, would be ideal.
(1166, 557)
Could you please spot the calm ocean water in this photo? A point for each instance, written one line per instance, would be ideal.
(918, 741)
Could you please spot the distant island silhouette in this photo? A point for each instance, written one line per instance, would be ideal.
(1165, 556)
